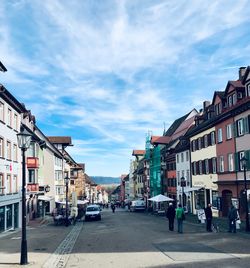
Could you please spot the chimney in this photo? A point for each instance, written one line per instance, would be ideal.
(242, 71)
(206, 104)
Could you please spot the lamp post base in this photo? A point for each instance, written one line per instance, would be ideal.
(24, 255)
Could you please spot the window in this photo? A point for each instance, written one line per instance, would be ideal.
(59, 190)
(1, 147)
(14, 152)
(182, 157)
(2, 111)
(234, 99)
(199, 143)
(177, 158)
(193, 146)
(240, 127)
(32, 150)
(221, 163)
(183, 173)
(8, 184)
(14, 184)
(200, 167)
(205, 141)
(229, 131)
(32, 176)
(241, 155)
(9, 115)
(215, 195)
(230, 101)
(8, 150)
(15, 123)
(188, 177)
(214, 166)
(194, 168)
(218, 108)
(1, 184)
(219, 135)
(187, 156)
(248, 90)
(178, 177)
(213, 138)
(206, 166)
(230, 162)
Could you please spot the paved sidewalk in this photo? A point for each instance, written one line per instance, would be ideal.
(43, 238)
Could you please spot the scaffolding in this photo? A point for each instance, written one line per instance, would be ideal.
(153, 155)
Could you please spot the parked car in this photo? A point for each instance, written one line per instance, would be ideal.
(93, 212)
(138, 205)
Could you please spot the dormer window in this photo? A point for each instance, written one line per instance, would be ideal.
(234, 99)
(218, 108)
(239, 95)
(248, 90)
(230, 101)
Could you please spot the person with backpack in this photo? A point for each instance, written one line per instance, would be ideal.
(180, 216)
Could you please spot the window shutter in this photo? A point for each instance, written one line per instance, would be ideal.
(196, 144)
(246, 125)
(234, 125)
(202, 142)
(247, 154)
(209, 139)
(210, 165)
(236, 161)
(203, 167)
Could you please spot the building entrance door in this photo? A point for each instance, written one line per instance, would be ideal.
(226, 202)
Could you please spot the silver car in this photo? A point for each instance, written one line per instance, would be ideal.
(93, 212)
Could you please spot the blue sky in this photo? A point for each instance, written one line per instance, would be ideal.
(106, 72)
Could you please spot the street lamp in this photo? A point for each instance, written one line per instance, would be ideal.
(66, 179)
(23, 139)
(47, 188)
(243, 161)
(183, 184)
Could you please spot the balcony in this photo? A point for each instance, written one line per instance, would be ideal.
(33, 187)
(32, 162)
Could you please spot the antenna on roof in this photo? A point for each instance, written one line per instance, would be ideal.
(164, 130)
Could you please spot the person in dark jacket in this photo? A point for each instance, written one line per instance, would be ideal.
(232, 217)
(171, 215)
(209, 217)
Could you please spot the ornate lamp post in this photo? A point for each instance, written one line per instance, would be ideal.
(243, 161)
(183, 184)
(67, 205)
(24, 139)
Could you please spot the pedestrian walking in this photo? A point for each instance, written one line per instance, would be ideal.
(180, 216)
(232, 217)
(113, 207)
(209, 217)
(171, 215)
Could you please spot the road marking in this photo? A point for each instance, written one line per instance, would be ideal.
(61, 255)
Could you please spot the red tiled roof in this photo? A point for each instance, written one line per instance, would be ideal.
(138, 152)
(159, 140)
(66, 140)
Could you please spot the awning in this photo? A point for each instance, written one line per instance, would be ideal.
(193, 189)
(45, 198)
(79, 202)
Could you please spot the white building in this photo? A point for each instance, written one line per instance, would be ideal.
(10, 161)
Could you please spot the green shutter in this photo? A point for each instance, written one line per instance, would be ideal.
(236, 161)
(246, 125)
(235, 129)
(247, 155)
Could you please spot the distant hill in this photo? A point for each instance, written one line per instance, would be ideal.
(105, 180)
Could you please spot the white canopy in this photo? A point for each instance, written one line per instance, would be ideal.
(79, 202)
(160, 198)
(45, 198)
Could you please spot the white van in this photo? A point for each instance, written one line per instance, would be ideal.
(138, 205)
